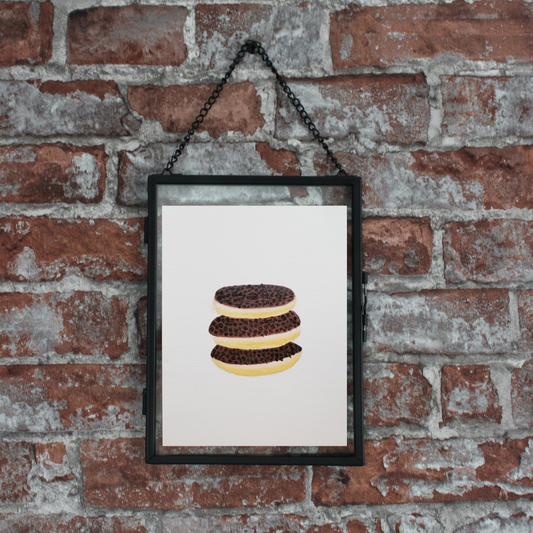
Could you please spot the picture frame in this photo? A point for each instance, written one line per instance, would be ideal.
(263, 259)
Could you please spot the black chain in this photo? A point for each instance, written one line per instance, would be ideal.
(253, 47)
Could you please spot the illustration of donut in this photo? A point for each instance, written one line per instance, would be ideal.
(254, 301)
(255, 331)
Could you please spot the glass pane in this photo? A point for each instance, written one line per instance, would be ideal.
(215, 197)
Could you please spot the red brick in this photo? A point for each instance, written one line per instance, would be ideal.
(522, 395)
(377, 108)
(72, 397)
(52, 460)
(396, 34)
(505, 459)
(44, 249)
(278, 162)
(471, 178)
(349, 526)
(468, 394)
(290, 34)
(15, 467)
(525, 313)
(63, 108)
(69, 523)
(177, 106)
(116, 476)
(401, 470)
(397, 245)
(517, 523)
(395, 393)
(338, 486)
(488, 251)
(48, 173)
(414, 523)
(440, 322)
(27, 32)
(134, 34)
(245, 159)
(74, 322)
(356, 526)
(487, 107)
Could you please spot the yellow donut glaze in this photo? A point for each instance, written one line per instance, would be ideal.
(258, 343)
(261, 369)
(263, 312)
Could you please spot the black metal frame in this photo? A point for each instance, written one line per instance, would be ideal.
(358, 313)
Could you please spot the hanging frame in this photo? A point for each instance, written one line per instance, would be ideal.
(240, 269)
(206, 233)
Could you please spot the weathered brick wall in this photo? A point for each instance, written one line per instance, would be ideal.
(432, 104)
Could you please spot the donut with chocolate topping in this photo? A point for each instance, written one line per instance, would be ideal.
(256, 362)
(255, 333)
(254, 301)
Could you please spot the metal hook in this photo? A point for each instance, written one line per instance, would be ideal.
(252, 47)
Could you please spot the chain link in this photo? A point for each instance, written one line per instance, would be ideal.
(253, 47)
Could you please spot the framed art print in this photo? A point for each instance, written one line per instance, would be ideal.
(255, 320)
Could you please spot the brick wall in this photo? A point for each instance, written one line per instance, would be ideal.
(432, 104)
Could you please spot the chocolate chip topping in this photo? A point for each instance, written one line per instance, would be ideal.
(254, 296)
(224, 326)
(254, 357)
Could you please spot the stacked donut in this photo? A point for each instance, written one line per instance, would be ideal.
(255, 331)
